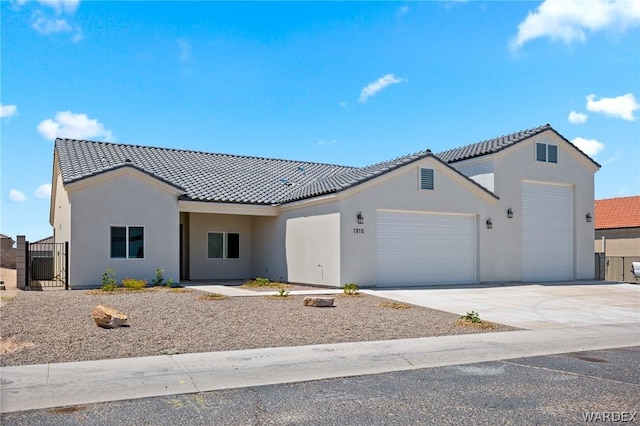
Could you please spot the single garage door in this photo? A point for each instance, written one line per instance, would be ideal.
(547, 232)
(424, 248)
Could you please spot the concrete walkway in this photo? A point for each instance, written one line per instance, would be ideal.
(55, 385)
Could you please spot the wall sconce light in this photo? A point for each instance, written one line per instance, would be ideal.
(489, 224)
(510, 213)
(360, 218)
(588, 217)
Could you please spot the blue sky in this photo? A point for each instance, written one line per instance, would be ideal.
(344, 83)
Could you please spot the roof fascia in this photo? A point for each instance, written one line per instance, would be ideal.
(54, 185)
(208, 207)
(125, 169)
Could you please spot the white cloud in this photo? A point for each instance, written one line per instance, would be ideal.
(621, 106)
(568, 20)
(327, 142)
(17, 196)
(403, 9)
(8, 110)
(577, 117)
(67, 124)
(374, 87)
(184, 49)
(591, 147)
(61, 6)
(43, 191)
(46, 26)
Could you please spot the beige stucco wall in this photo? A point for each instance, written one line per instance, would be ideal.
(272, 234)
(200, 266)
(313, 249)
(61, 213)
(123, 198)
(618, 242)
(518, 164)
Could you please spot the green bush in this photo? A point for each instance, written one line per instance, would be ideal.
(159, 278)
(351, 289)
(133, 284)
(281, 293)
(262, 281)
(109, 282)
(472, 317)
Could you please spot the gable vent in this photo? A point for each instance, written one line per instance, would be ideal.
(541, 152)
(426, 179)
(552, 153)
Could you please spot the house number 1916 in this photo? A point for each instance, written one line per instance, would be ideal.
(358, 230)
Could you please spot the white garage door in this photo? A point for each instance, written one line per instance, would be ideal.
(421, 249)
(547, 232)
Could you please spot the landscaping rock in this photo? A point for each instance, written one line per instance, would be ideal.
(107, 317)
(318, 302)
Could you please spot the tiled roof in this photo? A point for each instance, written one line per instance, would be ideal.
(244, 179)
(491, 146)
(614, 213)
(5, 237)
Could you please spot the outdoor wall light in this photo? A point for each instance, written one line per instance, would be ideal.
(489, 224)
(588, 217)
(360, 218)
(510, 213)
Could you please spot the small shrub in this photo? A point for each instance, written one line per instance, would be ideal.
(281, 293)
(351, 289)
(395, 305)
(262, 281)
(213, 296)
(159, 278)
(109, 282)
(133, 284)
(472, 317)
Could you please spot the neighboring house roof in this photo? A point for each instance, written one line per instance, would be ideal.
(5, 237)
(612, 213)
(47, 240)
(491, 146)
(244, 179)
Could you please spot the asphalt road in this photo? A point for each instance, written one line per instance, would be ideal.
(557, 389)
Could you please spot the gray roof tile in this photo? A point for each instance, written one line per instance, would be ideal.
(250, 180)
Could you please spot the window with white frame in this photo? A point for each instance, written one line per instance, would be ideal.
(426, 179)
(223, 245)
(127, 242)
(546, 153)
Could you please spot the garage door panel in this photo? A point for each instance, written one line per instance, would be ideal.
(547, 232)
(420, 249)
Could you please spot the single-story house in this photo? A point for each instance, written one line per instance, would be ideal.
(7, 252)
(509, 209)
(617, 226)
(617, 236)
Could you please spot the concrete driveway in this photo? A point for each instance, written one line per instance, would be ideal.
(532, 306)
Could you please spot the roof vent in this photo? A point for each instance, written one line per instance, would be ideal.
(301, 169)
(126, 160)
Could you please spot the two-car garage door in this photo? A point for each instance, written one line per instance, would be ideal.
(415, 248)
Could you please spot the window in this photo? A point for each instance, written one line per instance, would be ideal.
(426, 178)
(547, 153)
(127, 242)
(223, 245)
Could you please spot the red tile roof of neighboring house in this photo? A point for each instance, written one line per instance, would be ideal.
(621, 212)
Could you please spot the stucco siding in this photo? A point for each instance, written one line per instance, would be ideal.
(201, 267)
(123, 200)
(61, 213)
(618, 242)
(313, 249)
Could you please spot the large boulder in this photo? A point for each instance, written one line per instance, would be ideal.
(319, 302)
(107, 317)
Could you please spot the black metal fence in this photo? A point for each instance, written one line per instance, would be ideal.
(47, 265)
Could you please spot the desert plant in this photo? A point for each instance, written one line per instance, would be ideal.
(109, 282)
(133, 284)
(351, 289)
(262, 281)
(213, 296)
(281, 293)
(158, 280)
(472, 317)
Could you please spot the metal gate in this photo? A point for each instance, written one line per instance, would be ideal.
(47, 265)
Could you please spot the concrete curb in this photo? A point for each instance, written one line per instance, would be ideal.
(53, 385)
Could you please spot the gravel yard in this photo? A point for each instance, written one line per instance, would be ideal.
(56, 326)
